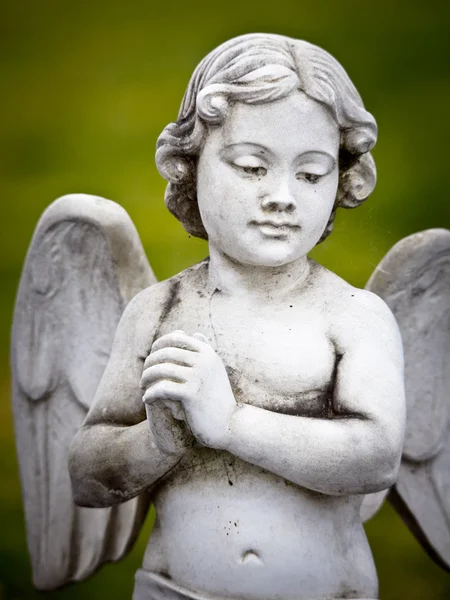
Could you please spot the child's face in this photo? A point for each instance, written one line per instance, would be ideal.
(267, 180)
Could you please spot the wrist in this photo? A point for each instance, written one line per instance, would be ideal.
(228, 441)
(171, 437)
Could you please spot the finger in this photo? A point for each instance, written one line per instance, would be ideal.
(158, 413)
(163, 390)
(164, 371)
(177, 339)
(176, 410)
(177, 356)
(199, 336)
(161, 421)
(163, 408)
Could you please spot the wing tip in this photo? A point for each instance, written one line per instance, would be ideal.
(96, 210)
(116, 225)
(406, 512)
(406, 256)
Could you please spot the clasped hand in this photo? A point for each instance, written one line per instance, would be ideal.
(186, 375)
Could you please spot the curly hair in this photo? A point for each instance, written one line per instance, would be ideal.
(256, 69)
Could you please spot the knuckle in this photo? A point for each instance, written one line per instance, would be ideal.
(148, 397)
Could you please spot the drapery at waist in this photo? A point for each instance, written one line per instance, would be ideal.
(151, 586)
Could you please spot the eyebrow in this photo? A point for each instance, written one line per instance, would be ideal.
(309, 154)
(314, 154)
(252, 145)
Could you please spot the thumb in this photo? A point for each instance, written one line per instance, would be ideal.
(201, 338)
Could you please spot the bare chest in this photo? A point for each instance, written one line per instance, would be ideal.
(279, 359)
(283, 363)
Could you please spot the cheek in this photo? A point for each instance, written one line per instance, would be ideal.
(209, 193)
(317, 204)
(219, 204)
(223, 198)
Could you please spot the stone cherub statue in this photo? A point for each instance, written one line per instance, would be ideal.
(256, 398)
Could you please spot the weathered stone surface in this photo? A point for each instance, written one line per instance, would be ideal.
(254, 398)
(414, 279)
(84, 264)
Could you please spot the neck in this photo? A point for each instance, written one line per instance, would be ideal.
(266, 283)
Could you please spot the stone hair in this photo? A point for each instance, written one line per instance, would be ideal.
(256, 69)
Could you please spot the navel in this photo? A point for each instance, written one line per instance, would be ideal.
(251, 557)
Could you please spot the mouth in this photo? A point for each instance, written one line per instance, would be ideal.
(274, 228)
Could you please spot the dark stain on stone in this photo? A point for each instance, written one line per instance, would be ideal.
(234, 376)
(330, 392)
(172, 300)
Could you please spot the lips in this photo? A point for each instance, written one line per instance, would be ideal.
(275, 224)
(270, 228)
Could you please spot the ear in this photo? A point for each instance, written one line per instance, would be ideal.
(357, 182)
(173, 167)
(181, 200)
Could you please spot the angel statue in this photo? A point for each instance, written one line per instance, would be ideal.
(256, 399)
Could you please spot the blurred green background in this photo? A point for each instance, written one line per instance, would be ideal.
(87, 86)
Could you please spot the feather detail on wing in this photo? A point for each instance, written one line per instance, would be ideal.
(84, 264)
(414, 280)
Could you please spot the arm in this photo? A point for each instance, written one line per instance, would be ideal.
(359, 450)
(114, 456)
(356, 452)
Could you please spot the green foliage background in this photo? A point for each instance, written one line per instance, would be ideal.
(87, 86)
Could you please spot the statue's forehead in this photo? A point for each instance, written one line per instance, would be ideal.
(296, 122)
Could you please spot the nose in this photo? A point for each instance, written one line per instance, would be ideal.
(280, 199)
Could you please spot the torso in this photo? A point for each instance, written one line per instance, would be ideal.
(230, 528)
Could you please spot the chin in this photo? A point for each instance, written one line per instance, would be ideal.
(269, 258)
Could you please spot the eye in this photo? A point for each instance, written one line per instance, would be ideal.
(309, 177)
(250, 165)
(257, 171)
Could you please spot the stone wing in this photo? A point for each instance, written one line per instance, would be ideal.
(414, 280)
(84, 264)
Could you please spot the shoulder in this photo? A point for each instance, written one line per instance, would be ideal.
(355, 315)
(144, 313)
(160, 296)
